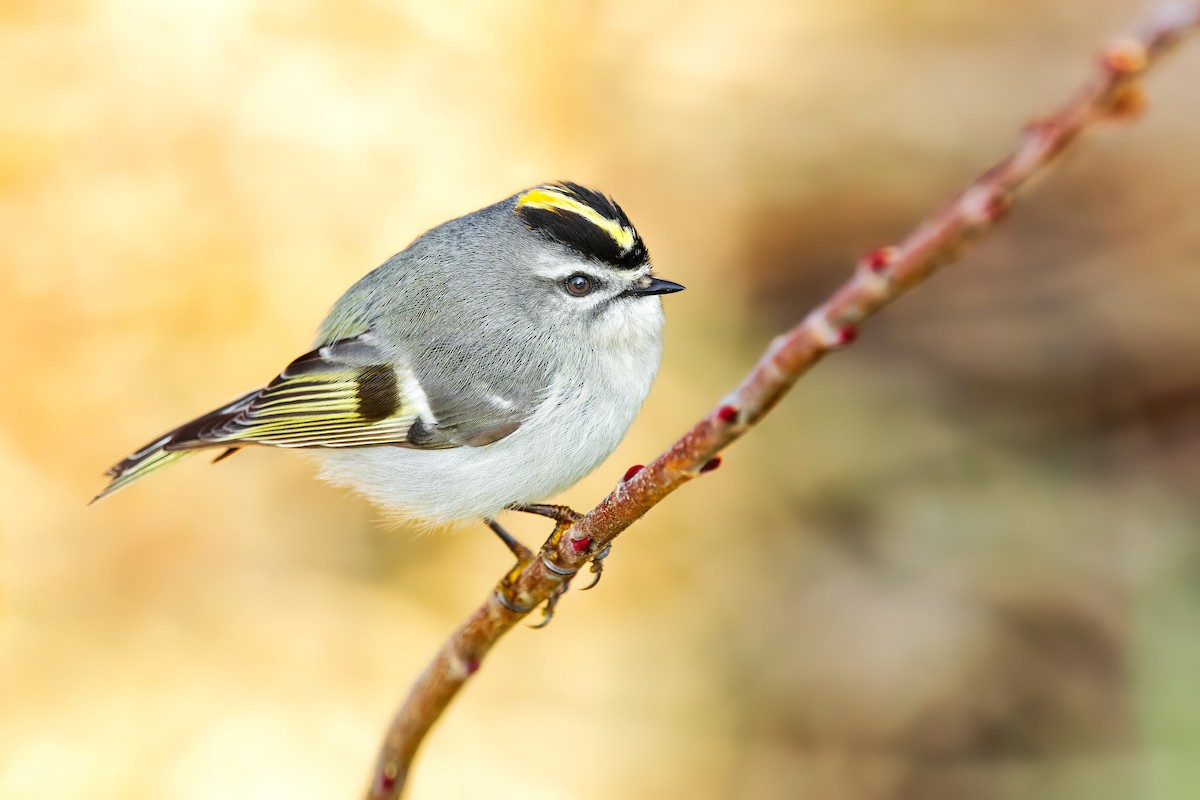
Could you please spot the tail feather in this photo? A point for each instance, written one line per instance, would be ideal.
(343, 394)
(169, 448)
(133, 468)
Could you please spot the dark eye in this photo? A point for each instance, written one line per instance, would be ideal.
(579, 284)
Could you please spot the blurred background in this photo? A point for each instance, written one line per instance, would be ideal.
(960, 560)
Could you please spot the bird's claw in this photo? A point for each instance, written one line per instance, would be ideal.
(550, 604)
(597, 568)
(564, 518)
(503, 600)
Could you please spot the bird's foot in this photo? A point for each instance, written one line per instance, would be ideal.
(523, 554)
(564, 517)
(551, 603)
(597, 567)
(505, 595)
(504, 591)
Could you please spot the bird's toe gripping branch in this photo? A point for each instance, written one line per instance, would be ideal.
(564, 519)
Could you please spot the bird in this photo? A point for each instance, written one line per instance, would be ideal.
(491, 364)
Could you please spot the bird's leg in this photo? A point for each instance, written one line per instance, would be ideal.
(564, 518)
(523, 554)
(524, 558)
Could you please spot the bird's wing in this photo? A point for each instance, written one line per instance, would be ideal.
(474, 400)
(344, 394)
(347, 393)
(350, 394)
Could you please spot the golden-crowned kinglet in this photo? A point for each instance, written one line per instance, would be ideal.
(494, 362)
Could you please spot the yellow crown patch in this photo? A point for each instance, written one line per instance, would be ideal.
(585, 220)
(562, 198)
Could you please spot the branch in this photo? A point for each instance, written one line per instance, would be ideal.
(880, 277)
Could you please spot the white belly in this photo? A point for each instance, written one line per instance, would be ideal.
(575, 428)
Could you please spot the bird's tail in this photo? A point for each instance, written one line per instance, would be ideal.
(169, 448)
(149, 459)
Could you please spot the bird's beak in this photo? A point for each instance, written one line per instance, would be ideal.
(654, 286)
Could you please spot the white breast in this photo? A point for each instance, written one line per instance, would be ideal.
(585, 415)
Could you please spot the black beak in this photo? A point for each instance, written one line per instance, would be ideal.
(655, 286)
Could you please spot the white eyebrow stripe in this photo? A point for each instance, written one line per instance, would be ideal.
(567, 270)
(558, 269)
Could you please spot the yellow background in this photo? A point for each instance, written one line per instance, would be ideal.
(959, 561)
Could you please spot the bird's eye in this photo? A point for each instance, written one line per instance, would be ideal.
(579, 284)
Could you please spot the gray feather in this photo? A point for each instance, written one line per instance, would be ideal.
(462, 323)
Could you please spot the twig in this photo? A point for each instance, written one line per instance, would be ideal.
(880, 277)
